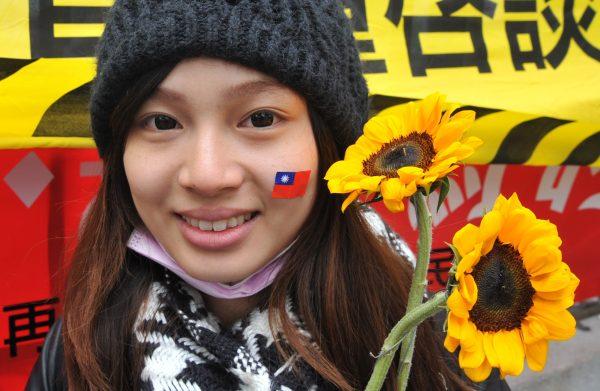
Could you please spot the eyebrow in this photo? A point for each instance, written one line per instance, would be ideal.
(253, 87)
(246, 89)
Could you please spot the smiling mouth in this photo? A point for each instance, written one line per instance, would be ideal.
(219, 225)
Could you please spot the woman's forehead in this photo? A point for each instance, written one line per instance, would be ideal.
(211, 75)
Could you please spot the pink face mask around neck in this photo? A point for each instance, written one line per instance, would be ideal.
(143, 243)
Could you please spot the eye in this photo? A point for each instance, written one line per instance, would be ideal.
(160, 122)
(261, 119)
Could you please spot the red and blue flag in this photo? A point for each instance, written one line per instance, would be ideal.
(290, 184)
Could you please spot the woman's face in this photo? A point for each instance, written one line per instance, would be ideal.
(201, 158)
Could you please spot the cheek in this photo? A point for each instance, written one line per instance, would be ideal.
(148, 178)
(300, 149)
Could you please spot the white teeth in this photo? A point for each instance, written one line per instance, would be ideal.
(205, 225)
(240, 220)
(220, 225)
(232, 222)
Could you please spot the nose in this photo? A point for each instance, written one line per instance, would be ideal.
(211, 165)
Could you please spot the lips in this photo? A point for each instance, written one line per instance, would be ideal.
(217, 234)
(219, 225)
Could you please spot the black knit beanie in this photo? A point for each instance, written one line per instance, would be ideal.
(305, 44)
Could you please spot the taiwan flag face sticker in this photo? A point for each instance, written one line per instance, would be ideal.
(290, 184)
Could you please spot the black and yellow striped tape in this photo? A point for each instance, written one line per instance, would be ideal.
(58, 117)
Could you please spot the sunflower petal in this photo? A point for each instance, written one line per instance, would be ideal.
(500, 203)
(470, 358)
(451, 343)
(444, 165)
(467, 262)
(450, 133)
(345, 185)
(450, 109)
(447, 152)
(379, 128)
(552, 306)
(455, 324)
(355, 153)
(464, 151)
(488, 348)
(480, 373)
(488, 230)
(466, 115)
(352, 183)
(393, 189)
(533, 329)
(541, 257)
(553, 281)
(371, 183)
(473, 356)
(409, 173)
(560, 295)
(349, 199)
(343, 168)
(560, 324)
(541, 229)
(366, 145)
(458, 305)
(511, 354)
(468, 336)
(394, 206)
(472, 142)
(464, 240)
(563, 302)
(504, 205)
(536, 354)
(410, 117)
(517, 221)
(468, 291)
(394, 192)
(430, 112)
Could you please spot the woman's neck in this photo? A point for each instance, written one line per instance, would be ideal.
(230, 310)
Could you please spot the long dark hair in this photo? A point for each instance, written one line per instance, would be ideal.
(348, 287)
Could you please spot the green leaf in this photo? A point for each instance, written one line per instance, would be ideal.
(451, 278)
(377, 198)
(457, 256)
(444, 189)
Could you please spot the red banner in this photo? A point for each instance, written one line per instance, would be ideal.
(43, 193)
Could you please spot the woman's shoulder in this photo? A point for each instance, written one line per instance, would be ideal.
(48, 371)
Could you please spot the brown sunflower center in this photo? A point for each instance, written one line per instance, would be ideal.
(416, 149)
(504, 292)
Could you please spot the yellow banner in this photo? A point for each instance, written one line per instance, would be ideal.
(539, 57)
(531, 69)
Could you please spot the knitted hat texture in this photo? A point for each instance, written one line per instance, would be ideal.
(305, 44)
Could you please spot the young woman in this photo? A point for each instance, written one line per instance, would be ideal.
(199, 266)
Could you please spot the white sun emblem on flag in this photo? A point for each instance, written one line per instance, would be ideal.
(285, 179)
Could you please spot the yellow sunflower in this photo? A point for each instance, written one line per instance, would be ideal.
(513, 292)
(417, 145)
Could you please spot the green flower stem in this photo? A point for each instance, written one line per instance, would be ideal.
(417, 288)
(407, 324)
